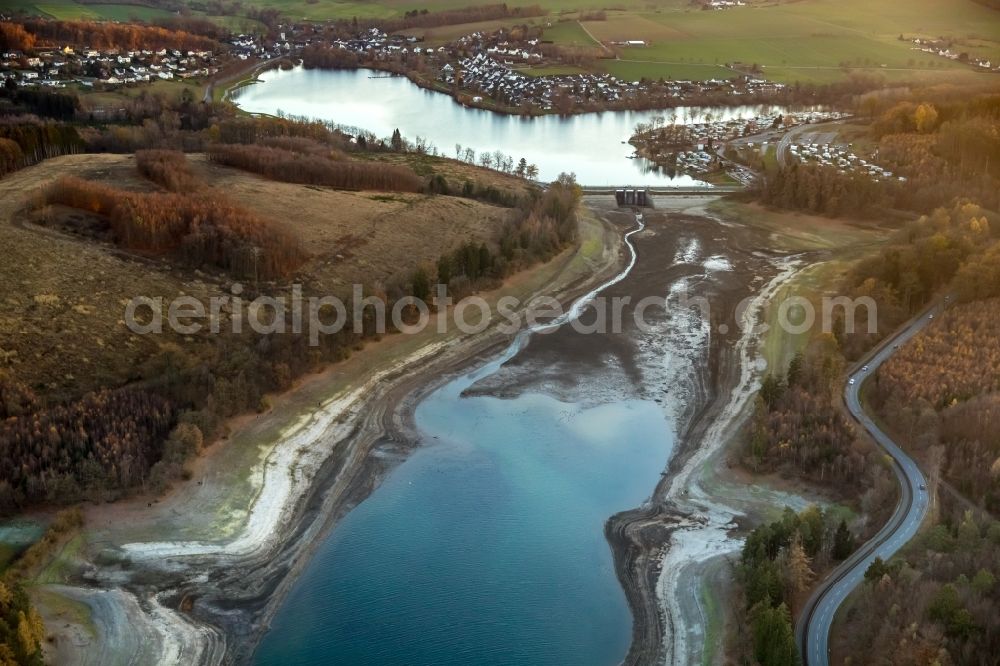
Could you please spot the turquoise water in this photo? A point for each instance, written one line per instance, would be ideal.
(486, 546)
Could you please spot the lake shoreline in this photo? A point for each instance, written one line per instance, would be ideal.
(208, 602)
(466, 98)
(594, 145)
(392, 419)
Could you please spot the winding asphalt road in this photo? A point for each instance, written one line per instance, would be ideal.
(813, 629)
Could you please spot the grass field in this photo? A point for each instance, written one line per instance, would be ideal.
(334, 9)
(842, 242)
(554, 70)
(634, 71)
(568, 33)
(447, 33)
(128, 12)
(70, 10)
(808, 41)
(62, 330)
(172, 89)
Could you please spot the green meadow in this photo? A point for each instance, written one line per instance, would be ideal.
(568, 33)
(809, 41)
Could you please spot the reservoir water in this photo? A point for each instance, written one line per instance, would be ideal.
(592, 145)
(486, 545)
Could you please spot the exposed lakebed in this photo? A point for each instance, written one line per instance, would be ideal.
(487, 544)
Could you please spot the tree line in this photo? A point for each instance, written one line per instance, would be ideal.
(13, 37)
(946, 147)
(45, 103)
(320, 56)
(296, 167)
(199, 228)
(108, 35)
(936, 603)
(21, 627)
(26, 141)
(797, 426)
(941, 396)
(949, 248)
(938, 600)
(539, 228)
(823, 190)
(255, 130)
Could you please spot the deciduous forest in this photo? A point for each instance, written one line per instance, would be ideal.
(103, 35)
(197, 228)
(937, 601)
(947, 146)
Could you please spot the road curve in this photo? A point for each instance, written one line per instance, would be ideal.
(813, 628)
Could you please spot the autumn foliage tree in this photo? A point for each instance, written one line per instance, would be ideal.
(256, 130)
(775, 569)
(539, 228)
(27, 140)
(297, 167)
(21, 627)
(111, 35)
(949, 248)
(199, 228)
(52, 453)
(942, 391)
(13, 37)
(168, 168)
(936, 603)
(945, 145)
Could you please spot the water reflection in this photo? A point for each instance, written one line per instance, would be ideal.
(593, 145)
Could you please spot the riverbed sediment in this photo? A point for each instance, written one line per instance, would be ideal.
(667, 549)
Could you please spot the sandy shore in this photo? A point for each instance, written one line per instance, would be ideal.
(196, 576)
